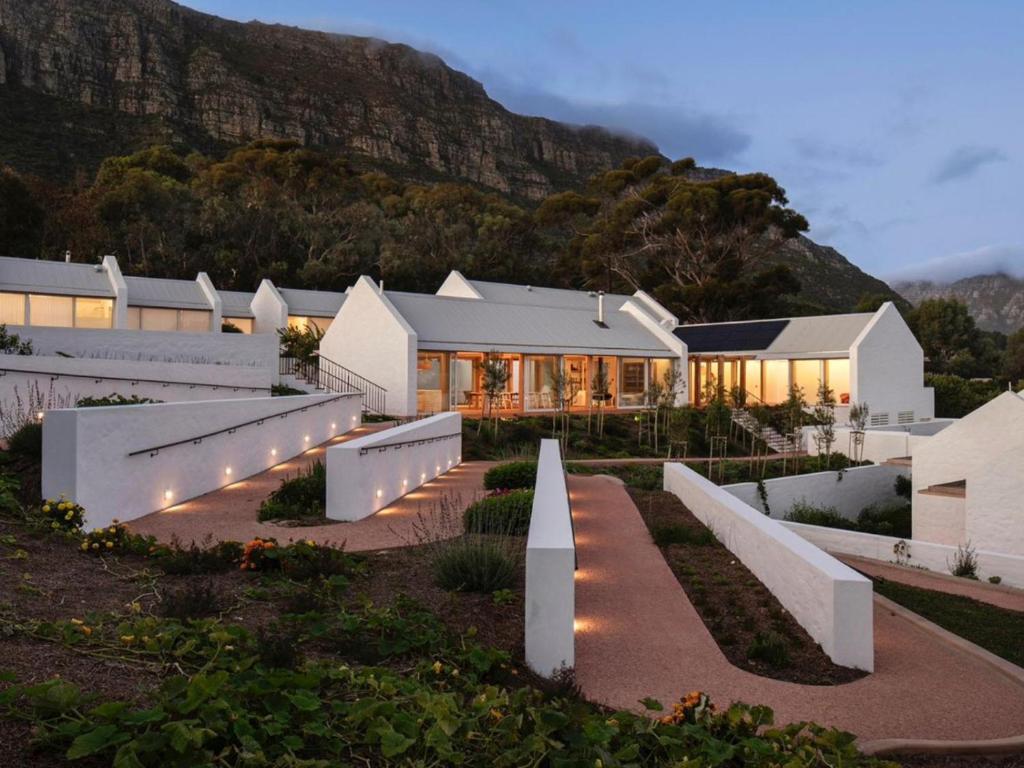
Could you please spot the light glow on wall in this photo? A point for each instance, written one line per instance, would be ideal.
(380, 493)
(273, 451)
(227, 471)
(168, 495)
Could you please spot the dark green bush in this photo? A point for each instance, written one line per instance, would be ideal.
(514, 474)
(808, 514)
(112, 399)
(903, 487)
(664, 535)
(221, 557)
(771, 648)
(505, 513)
(894, 520)
(474, 564)
(299, 498)
(27, 441)
(195, 600)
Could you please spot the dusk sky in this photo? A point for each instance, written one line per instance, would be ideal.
(896, 128)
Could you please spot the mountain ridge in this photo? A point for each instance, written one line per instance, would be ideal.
(995, 301)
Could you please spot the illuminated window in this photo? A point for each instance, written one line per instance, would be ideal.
(807, 377)
(94, 313)
(194, 320)
(302, 322)
(51, 311)
(12, 308)
(776, 381)
(244, 324)
(837, 374)
(633, 384)
(540, 378)
(156, 319)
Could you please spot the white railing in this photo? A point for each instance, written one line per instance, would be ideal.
(550, 569)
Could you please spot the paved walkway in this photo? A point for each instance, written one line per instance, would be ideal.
(640, 636)
(998, 595)
(232, 513)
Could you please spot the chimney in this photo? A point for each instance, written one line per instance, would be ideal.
(67, 257)
(600, 307)
(380, 288)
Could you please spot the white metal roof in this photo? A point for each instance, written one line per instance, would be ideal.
(312, 303)
(236, 303)
(531, 295)
(821, 334)
(450, 323)
(54, 277)
(162, 292)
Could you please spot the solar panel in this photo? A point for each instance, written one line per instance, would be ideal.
(753, 336)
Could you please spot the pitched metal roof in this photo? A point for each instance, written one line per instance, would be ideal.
(236, 303)
(753, 336)
(450, 323)
(312, 303)
(54, 277)
(161, 292)
(531, 295)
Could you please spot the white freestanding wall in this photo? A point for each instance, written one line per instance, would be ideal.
(371, 338)
(830, 600)
(881, 443)
(270, 311)
(87, 452)
(550, 570)
(366, 474)
(848, 492)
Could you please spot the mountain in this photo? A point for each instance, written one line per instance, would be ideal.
(91, 78)
(995, 301)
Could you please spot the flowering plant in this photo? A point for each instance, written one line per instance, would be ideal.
(104, 541)
(258, 555)
(64, 515)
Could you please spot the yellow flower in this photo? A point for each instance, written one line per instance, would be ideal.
(46, 508)
(95, 545)
(438, 666)
(127, 639)
(77, 622)
(135, 607)
(110, 545)
(69, 515)
(86, 630)
(85, 546)
(310, 542)
(60, 506)
(111, 530)
(55, 525)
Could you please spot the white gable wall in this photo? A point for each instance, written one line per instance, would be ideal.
(887, 369)
(270, 311)
(371, 338)
(995, 501)
(645, 315)
(458, 286)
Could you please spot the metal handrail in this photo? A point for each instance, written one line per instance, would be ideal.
(231, 430)
(402, 443)
(325, 373)
(54, 375)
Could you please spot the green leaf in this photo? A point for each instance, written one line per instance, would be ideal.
(652, 704)
(96, 740)
(393, 743)
(304, 701)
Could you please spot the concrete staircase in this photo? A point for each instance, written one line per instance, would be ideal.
(776, 442)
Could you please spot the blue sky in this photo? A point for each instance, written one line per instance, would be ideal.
(896, 128)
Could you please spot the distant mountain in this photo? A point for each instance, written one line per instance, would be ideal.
(995, 301)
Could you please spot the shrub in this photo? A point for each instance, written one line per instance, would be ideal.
(903, 487)
(27, 441)
(11, 343)
(500, 513)
(301, 497)
(769, 647)
(673, 533)
(808, 514)
(113, 399)
(894, 520)
(195, 600)
(965, 562)
(514, 474)
(215, 558)
(474, 564)
(995, 579)
(105, 541)
(63, 515)
(307, 560)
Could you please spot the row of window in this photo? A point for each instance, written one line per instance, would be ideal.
(55, 311)
(770, 381)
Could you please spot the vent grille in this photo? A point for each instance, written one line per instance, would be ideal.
(879, 419)
(905, 417)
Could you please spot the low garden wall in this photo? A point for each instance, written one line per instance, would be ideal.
(367, 474)
(550, 569)
(830, 600)
(848, 491)
(880, 443)
(923, 554)
(126, 461)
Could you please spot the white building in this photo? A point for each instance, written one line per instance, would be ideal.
(968, 480)
(868, 358)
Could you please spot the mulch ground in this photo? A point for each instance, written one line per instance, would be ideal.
(733, 604)
(959, 761)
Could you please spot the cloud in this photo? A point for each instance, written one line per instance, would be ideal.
(964, 161)
(986, 260)
(815, 150)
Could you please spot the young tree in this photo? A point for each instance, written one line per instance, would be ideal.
(825, 423)
(599, 392)
(494, 379)
(858, 418)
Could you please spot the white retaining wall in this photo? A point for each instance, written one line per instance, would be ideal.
(367, 474)
(86, 450)
(550, 569)
(259, 350)
(849, 492)
(925, 554)
(830, 600)
(881, 443)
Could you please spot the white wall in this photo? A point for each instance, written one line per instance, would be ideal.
(371, 338)
(120, 286)
(849, 492)
(887, 368)
(270, 311)
(216, 304)
(550, 570)
(365, 475)
(650, 315)
(829, 600)
(881, 443)
(923, 554)
(86, 450)
(171, 346)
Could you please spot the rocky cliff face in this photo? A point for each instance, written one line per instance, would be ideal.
(996, 302)
(151, 66)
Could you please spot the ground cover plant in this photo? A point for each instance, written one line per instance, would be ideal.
(882, 520)
(749, 624)
(301, 498)
(995, 629)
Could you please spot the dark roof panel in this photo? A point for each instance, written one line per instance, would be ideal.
(731, 337)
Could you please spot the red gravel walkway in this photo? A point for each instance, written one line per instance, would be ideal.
(640, 636)
(231, 513)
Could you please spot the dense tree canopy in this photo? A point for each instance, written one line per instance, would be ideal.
(951, 340)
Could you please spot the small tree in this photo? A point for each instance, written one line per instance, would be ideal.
(825, 423)
(494, 379)
(11, 343)
(858, 416)
(599, 386)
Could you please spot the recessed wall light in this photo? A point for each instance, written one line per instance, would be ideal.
(273, 451)
(227, 471)
(168, 495)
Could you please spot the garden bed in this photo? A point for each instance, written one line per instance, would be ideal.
(749, 624)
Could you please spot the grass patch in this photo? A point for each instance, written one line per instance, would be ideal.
(995, 629)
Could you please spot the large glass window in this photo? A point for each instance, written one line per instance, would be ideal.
(576, 380)
(194, 320)
(94, 313)
(157, 319)
(302, 322)
(466, 372)
(633, 382)
(540, 377)
(661, 373)
(752, 379)
(429, 382)
(12, 308)
(776, 381)
(807, 378)
(837, 374)
(51, 311)
(244, 324)
(603, 375)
